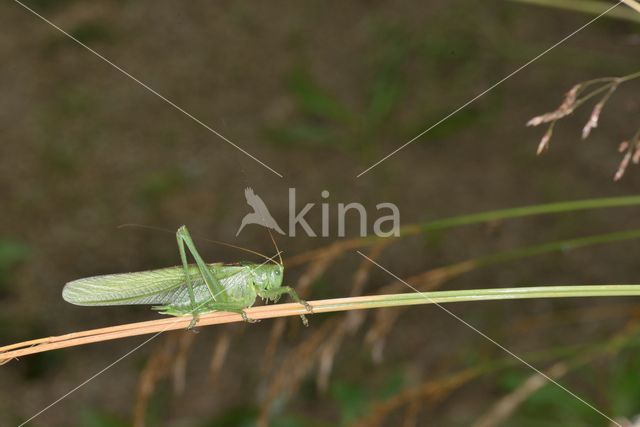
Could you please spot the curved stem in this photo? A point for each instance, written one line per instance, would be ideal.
(13, 351)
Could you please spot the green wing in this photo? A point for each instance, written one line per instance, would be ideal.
(162, 286)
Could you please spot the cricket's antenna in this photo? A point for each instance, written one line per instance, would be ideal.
(276, 246)
(149, 227)
(234, 247)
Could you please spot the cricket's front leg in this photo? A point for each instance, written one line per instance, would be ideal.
(275, 294)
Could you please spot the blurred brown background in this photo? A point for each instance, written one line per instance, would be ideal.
(319, 91)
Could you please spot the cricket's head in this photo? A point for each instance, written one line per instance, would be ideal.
(268, 276)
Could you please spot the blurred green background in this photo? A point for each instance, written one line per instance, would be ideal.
(318, 90)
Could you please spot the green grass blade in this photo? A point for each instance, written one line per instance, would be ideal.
(524, 211)
(493, 294)
(562, 245)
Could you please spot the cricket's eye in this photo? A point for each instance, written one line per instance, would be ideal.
(277, 272)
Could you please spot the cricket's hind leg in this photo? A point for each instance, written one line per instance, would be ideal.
(180, 312)
(210, 307)
(275, 294)
(215, 288)
(217, 291)
(232, 308)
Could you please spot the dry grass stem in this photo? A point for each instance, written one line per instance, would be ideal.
(351, 321)
(179, 370)
(385, 319)
(507, 405)
(502, 409)
(319, 306)
(219, 354)
(314, 271)
(411, 414)
(434, 390)
(293, 367)
(277, 330)
(155, 369)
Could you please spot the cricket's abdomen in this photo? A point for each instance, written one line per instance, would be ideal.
(239, 292)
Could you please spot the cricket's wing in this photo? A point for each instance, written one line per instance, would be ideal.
(160, 286)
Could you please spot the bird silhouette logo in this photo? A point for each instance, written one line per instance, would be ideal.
(260, 214)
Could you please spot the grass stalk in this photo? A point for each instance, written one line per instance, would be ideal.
(470, 219)
(13, 351)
